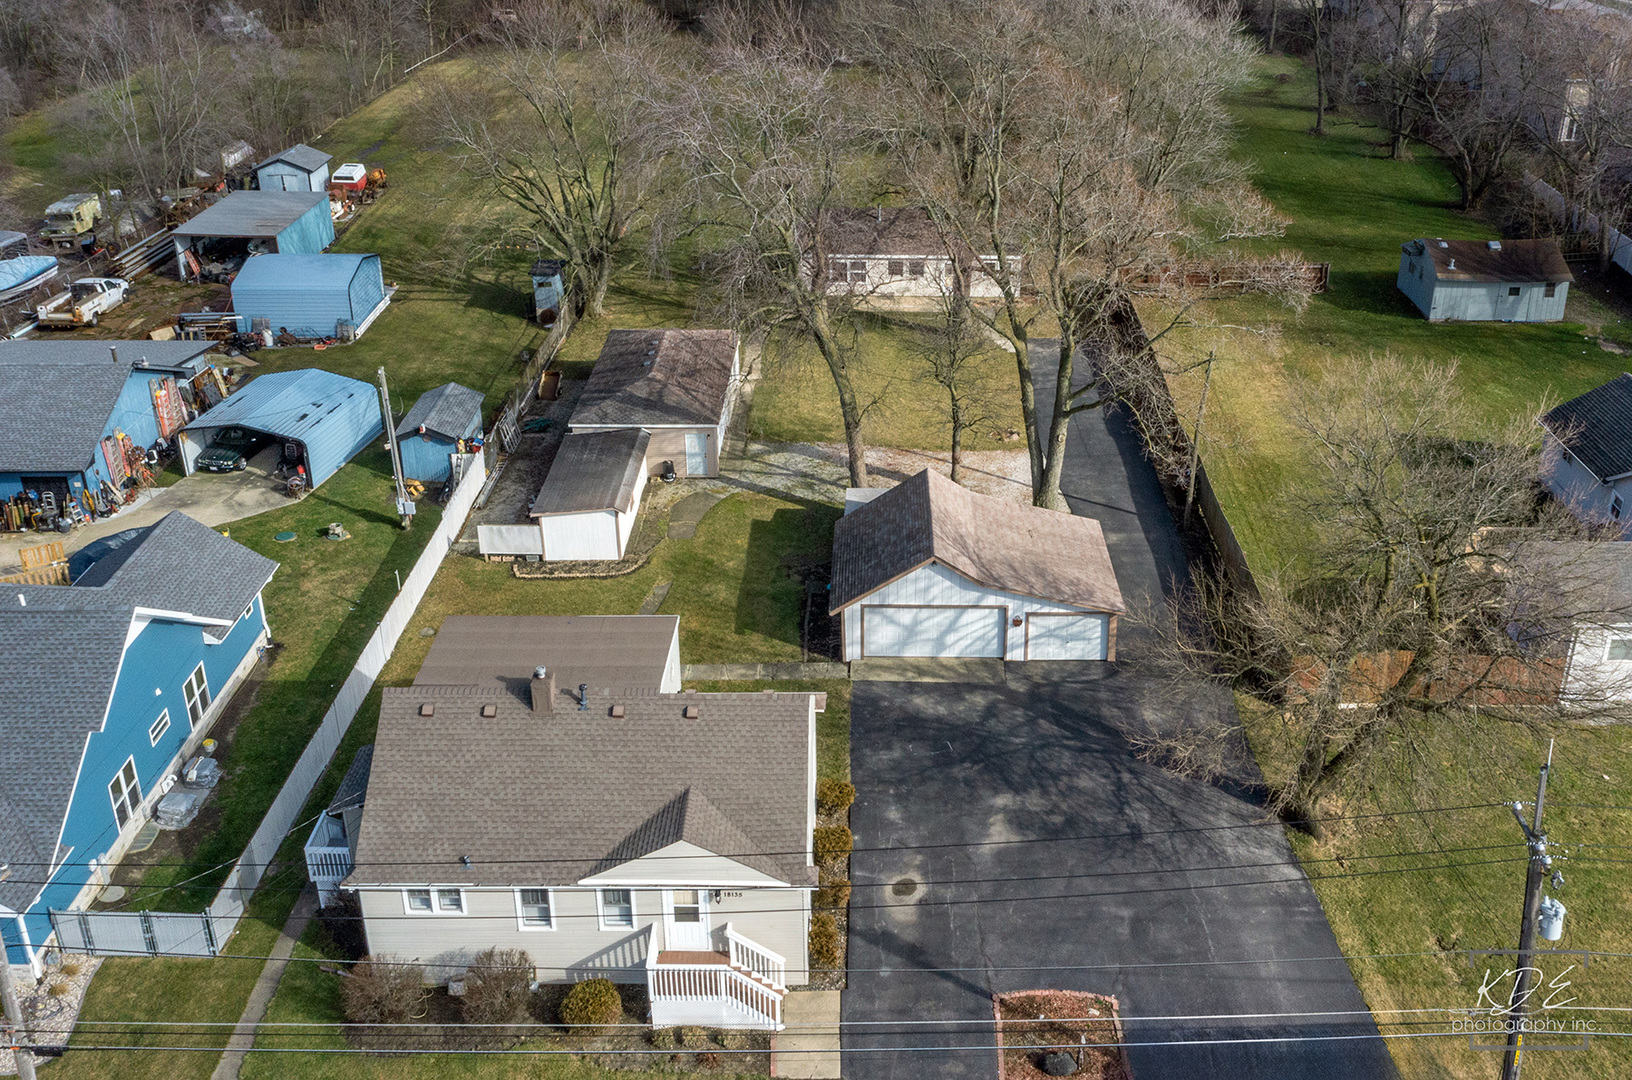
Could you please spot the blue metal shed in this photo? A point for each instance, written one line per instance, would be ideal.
(299, 168)
(312, 292)
(287, 222)
(327, 417)
(433, 428)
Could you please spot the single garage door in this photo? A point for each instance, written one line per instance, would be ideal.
(1066, 637)
(890, 630)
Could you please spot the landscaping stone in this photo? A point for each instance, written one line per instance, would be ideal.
(1059, 1063)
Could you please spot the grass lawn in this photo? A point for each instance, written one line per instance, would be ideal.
(1350, 206)
(1478, 907)
(797, 401)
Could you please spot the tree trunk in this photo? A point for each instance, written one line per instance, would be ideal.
(849, 409)
(1028, 408)
(957, 440)
(1047, 493)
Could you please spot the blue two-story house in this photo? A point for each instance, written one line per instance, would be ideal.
(107, 687)
(73, 404)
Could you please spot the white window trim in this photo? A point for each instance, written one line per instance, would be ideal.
(600, 910)
(1609, 643)
(209, 696)
(521, 917)
(156, 730)
(436, 905)
(136, 804)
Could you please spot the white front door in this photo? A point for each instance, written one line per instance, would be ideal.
(696, 453)
(685, 919)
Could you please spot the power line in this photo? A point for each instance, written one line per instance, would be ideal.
(1135, 834)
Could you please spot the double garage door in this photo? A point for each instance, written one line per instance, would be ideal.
(978, 631)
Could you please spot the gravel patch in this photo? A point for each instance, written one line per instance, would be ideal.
(50, 1017)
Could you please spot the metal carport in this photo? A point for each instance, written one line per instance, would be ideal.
(326, 418)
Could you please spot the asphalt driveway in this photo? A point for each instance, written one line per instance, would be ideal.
(1025, 847)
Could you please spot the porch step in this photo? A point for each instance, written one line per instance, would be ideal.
(682, 956)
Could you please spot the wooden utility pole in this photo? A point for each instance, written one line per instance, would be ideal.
(16, 1036)
(1540, 863)
(405, 505)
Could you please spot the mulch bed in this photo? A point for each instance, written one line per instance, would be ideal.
(1083, 1025)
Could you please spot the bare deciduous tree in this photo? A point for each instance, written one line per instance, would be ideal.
(955, 355)
(1440, 590)
(557, 124)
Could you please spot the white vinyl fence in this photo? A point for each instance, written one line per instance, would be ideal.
(205, 934)
(1620, 245)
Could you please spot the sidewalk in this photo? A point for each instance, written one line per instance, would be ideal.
(810, 1046)
(243, 1035)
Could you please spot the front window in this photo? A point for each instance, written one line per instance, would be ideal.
(159, 727)
(898, 268)
(1513, 290)
(1551, 290)
(1620, 649)
(617, 909)
(533, 909)
(125, 792)
(858, 271)
(450, 901)
(915, 268)
(197, 695)
(417, 901)
(1615, 506)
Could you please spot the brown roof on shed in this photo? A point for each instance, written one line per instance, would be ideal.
(1475, 260)
(997, 543)
(548, 799)
(659, 378)
(594, 470)
(613, 652)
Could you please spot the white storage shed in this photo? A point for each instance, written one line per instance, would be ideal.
(586, 509)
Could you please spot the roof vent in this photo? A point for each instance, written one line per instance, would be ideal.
(617, 712)
(1453, 265)
(490, 710)
(691, 712)
(1494, 245)
(427, 709)
(541, 691)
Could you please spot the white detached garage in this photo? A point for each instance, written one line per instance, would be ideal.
(587, 506)
(932, 569)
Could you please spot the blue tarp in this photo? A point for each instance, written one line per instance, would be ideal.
(309, 292)
(332, 416)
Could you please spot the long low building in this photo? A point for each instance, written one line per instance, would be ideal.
(311, 296)
(244, 222)
(322, 419)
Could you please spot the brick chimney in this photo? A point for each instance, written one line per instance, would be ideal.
(543, 690)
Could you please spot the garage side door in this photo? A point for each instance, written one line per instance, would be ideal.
(1066, 637)
(889, 630)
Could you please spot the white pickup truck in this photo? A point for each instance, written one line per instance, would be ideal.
(85, 301)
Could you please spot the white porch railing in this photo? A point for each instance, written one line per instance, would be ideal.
(328, 858)
(713, 993)
(749, 954)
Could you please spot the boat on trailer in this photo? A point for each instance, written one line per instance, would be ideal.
(21, 275)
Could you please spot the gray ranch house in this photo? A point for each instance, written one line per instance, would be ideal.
(1587, 454)
(543, 785)
(1485, 280)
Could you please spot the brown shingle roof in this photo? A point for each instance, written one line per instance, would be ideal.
(992, 542)
(658, 378)
(871, 230)
(609, 652)
(548, 799)
(1513, 260)
(594, 470)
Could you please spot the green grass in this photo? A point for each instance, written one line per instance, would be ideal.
(797, 401)
(1350, 206)
(1477, 906)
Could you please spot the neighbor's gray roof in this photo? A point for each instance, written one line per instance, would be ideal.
(1597, 427)
(1001, 544)
(594, 470)
(354, 785)
(905, 231)
(60, 393)
(255, 215)
(64, 646)
(659, 378)
(1475, 260)
(1595, 576)
(549, 799)
(303, 157)
(446, 411)
(609, 652)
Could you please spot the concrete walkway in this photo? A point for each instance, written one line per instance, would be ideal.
(810, 1045)
(243, 1035)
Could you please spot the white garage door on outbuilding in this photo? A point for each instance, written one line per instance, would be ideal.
(1065, 636)
(905, 630)
(931, 569)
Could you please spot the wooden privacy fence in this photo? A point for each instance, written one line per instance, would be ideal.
(1223, 279)
(1618, 244)
(205, 933)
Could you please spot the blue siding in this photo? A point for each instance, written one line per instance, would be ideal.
(282, 176)
(332, 415)
(308, 234)
(132, 414)
(161, 658)
(425, 457)
(311, 291)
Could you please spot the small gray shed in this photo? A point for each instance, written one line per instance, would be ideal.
(299, 168)
(1485, 280)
